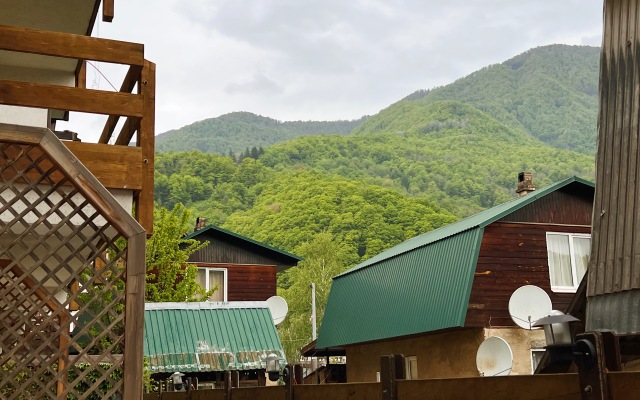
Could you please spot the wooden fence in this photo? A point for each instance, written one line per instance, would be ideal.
(621, 385)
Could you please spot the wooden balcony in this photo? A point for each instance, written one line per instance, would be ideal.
(116, 163)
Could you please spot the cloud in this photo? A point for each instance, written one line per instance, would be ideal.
(258, 84)
(331, 59)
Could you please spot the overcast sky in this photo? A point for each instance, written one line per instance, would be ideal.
(325, 59)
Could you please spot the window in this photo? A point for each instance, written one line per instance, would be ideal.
(536, 357)
(411, 366)
(209, 278)
(568, 259)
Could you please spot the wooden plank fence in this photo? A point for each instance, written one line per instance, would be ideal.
(622, 386)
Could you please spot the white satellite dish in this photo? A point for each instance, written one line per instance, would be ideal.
(494, 357)
(528, 304)
(278, 307)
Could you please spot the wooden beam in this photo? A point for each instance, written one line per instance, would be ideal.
(107, 10)
(116, 167)
(144, 203)
(68, 45)
(130, 80)
(39, 95)
(81, 75)
(131, 125)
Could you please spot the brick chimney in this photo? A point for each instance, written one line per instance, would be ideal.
(200, 223)
(525, 184)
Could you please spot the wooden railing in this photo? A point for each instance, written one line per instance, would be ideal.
(118, 165)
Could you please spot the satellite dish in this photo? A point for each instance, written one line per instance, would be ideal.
(528, 304)
(278, 307)
(494, 357)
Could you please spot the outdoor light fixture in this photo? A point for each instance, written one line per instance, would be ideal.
(560, 347)
(273, 368)
(556, 327)
(177, 380)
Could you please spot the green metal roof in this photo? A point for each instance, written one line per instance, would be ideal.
(420, 285)
(200, 337)
(223, 231)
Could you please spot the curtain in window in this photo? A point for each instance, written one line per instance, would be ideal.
(559, 260)
(216, 278)
(201, 278)
(582, 252)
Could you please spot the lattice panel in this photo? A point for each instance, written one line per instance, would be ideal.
(62, 279)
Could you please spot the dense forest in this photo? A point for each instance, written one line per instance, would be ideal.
(234, 132)
(549, 92)
(421, 163)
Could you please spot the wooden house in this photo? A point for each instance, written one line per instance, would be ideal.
(234, 329)
(437, 296)
(70, 249)
(244, 269)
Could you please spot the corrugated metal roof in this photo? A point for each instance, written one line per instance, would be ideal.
(420, 285)
(243, 238)
(199, 337)
(423, 290)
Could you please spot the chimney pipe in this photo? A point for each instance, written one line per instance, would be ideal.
(525, 183)
(200, 223)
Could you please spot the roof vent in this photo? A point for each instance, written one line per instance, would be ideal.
(525, 183)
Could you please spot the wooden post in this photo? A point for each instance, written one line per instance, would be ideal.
(134, 317)
(235, 379)
(592, 366)
(144, 203)
(187, 389)
(392, 368)
(262, 377)
(107, 10)
(227, 384)
(298, 378)
(288, 382)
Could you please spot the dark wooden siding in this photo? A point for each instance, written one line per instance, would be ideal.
(248, 282)
(512, 255)
(222, 251)
(251, 282)
(572, 205)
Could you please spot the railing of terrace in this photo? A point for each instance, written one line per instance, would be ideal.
(118, 165)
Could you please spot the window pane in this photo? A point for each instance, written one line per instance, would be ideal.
(201, 278)
(216, 278)
(582, 250)
(559, 260)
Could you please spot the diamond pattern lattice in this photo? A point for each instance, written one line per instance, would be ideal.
(62, 279)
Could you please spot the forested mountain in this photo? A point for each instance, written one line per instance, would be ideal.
(421, 163)
(550, 92)
(237, 131)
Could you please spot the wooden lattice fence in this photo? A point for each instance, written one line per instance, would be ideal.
(71, 277)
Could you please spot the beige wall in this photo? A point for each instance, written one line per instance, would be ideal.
(521, 342)
(444, 355)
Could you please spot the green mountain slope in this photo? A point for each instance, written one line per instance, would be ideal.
(550, 92)
(240, 130)
(449, 152)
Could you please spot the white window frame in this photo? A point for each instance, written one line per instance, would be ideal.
(534, 365)
(224, 279)
(574, 272)
(412, 373)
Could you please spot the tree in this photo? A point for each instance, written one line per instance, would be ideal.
(169, 277)
(323, 259)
